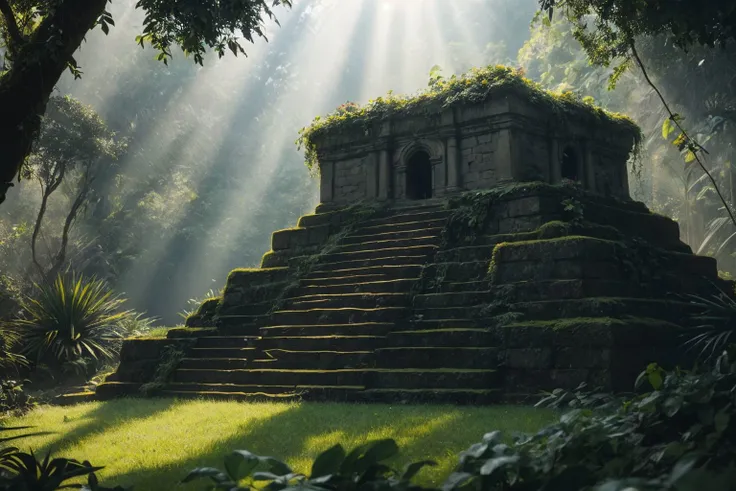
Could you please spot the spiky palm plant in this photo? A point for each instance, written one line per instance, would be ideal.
(714, 326)
(10, 358)
(71, 320)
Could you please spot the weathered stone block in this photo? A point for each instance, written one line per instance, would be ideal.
(569, 378)
(524, 206)
(519, 224)
(582, 358)
(318, 235)
(529, 358)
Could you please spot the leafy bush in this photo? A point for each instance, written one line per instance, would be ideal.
(714, 326)
(137, 324)
(334, 469)
(10, 359)
(13, 397)
(73, 320)
(21, 471)
(678, 436)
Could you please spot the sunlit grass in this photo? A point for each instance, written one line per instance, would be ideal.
(154, 443)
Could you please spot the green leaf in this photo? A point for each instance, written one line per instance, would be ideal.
(239, 464)
(496, 463)
(412, 469)
(667, 128)
(276, 466)
(457, 480)
(721, 420)
(328, 462)
(215, 474)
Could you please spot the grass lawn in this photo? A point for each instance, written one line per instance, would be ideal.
(154, 443)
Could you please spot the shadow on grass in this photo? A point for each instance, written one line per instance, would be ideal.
(299, 432)
(105, 416)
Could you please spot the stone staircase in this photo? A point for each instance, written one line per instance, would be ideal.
(396, 308)
(344, 331)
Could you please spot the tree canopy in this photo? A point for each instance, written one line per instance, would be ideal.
(39, 38)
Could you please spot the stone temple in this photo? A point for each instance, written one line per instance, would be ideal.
(473, 245)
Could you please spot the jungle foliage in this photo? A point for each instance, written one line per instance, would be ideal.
(40, 38)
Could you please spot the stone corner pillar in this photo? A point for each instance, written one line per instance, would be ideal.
(555, 160)
(505, 156)
(384, 174)
(454, 172)
(326, 182)
(371, 175)
(589, 165)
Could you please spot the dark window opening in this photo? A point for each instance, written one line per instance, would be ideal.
(570, 164)
(419, 177)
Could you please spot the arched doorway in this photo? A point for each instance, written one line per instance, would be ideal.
(419, 176)
(570, 164)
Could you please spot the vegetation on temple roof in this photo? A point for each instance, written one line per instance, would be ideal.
(473, 87)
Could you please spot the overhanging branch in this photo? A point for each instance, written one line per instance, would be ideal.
(12, 26)
(672, 117)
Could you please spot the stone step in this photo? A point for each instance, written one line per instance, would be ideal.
(375, 272)
(452, 299)
(253, 309)
(225, 342)
(400, 224)
(373, 378)
(393, 235)
(322, 360)
(564, 269)
(436, 313)
(420, 324)
(455, 396)
(463, 286)
(408, 216)
(447, 337)
(357, 329)
(410, 251)
(460, 271)
(669, 310)
(338, 300)
(342, 394)
(434, 378)
(322, 343)
(403, 260)
(346, 315)
(285, 377)
(268, 393)
(380, 286)
(215, 363)
(466, 253)
(532, 291)
(222, 353)
(372, 244)
(232, 396)
(239, 325)
(438, 357)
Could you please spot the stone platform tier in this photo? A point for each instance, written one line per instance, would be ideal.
(487, 297)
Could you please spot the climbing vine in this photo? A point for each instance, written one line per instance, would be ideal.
(171, 356)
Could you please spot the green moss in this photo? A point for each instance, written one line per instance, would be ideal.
(474, 87)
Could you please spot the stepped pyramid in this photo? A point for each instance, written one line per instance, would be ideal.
(477, 254)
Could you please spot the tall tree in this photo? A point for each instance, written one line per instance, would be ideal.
(40, 37)
(73, 147)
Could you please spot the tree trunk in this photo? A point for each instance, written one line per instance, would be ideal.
(26, 87)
